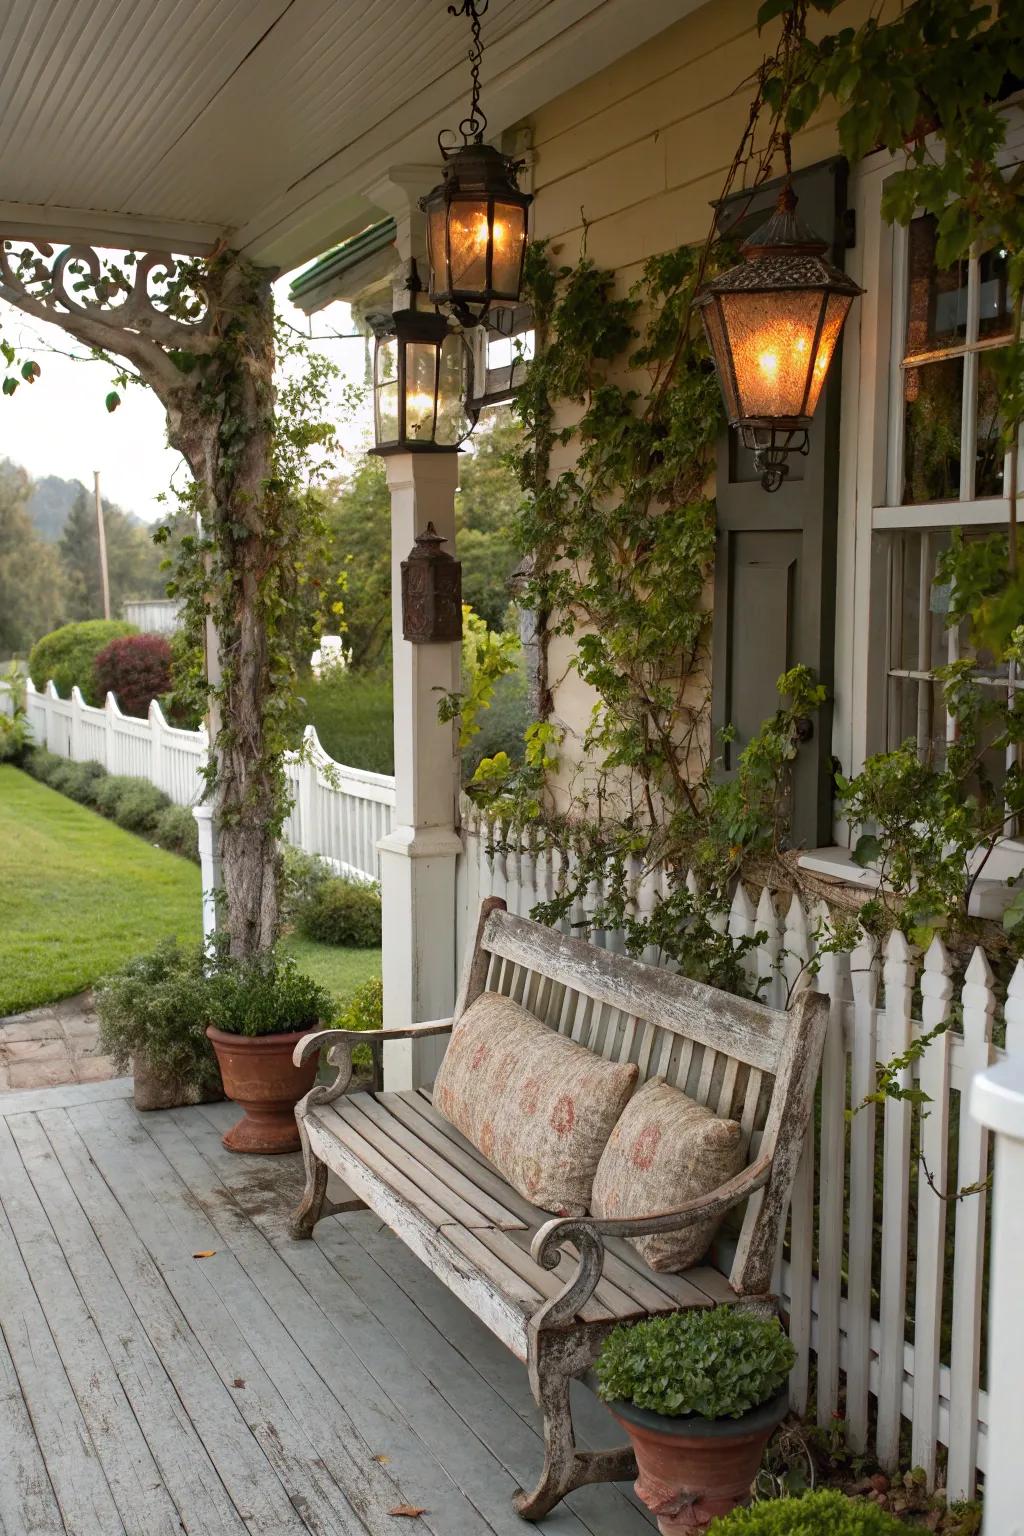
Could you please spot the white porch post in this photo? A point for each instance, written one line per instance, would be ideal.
(417, 858)
(997, 1101)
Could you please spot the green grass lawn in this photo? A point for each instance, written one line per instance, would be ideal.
(79, 896)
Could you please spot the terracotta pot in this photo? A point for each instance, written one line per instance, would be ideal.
(258, 1073)
(155, 1090)
(694, 1469)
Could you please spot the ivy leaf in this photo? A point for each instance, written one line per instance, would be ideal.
(30, 372)
(112, 401)
(769, 10)
(10, 385)
(867, 851)
(1013, 916)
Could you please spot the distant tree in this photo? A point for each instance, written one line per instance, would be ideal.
(50, 501)
(31, 581)
(358, 516)
(132, 558)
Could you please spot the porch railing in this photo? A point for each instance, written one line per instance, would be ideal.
(337, 812)
(882, 1278)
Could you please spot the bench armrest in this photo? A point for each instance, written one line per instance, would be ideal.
(339, 1045)
(587, 1234)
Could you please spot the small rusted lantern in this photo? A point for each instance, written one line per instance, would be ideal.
(431, 592)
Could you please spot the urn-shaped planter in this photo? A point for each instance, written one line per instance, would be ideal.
(693, 1469)
(259, 1075)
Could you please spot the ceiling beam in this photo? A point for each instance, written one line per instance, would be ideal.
(120, 231)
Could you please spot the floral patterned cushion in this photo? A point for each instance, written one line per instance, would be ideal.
(666, 1149)
(538, 1106)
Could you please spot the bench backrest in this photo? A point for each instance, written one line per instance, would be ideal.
(745, 1061)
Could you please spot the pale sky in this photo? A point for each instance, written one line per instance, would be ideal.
(60, 426)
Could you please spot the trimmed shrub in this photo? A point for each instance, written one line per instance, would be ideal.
(302, 874)
(79, 781)
(365, 1010)
(826, 1513)
(159, 1004)
(175, 829)
(42, 765)
(67, 655)
(342, 912)
(110, 791)
(139, 806)
(136, 668)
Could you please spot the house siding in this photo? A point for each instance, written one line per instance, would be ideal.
(635, 157)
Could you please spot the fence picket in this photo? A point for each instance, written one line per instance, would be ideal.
(979, 1005)
(864, 982)
(898, 974)
(833, 981)
(936, 990)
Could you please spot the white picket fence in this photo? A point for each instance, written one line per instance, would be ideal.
(337, 812)
(869, 1263)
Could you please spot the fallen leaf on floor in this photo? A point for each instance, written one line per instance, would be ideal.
(205, 1253)
(239, 1381)
(382, 1459)
(409, 1510)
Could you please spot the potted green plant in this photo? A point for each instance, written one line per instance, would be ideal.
(262, 1008)
(699, 1393)
(153, 1014)
(826, 1513)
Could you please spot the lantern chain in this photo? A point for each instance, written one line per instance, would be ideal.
(472, 126)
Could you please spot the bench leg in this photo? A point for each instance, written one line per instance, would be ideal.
(310, 1208)
(566, 1467)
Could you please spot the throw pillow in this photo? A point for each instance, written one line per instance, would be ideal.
(537, 1105)
(665, 1150)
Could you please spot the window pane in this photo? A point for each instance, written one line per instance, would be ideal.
(995, 310)
(932, 409)
(936, 299)
(990, 453)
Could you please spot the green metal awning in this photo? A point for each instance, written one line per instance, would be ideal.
(324, 280)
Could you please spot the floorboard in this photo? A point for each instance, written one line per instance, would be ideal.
(171, 1362)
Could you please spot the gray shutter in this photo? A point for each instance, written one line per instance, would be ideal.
(775, 563)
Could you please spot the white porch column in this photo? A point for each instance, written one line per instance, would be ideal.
(417, 858)
(997, 1101)
(209, 866)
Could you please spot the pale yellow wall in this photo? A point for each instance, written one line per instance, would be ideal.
(642, 150)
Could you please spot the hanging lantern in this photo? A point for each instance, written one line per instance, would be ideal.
(431, 592)
(476, 216)
(773, 324)
(420, 383)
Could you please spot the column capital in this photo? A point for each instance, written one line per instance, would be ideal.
(437, 470)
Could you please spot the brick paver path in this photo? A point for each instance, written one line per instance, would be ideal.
(52, 1045)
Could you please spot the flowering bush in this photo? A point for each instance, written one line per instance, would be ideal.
(137, 668)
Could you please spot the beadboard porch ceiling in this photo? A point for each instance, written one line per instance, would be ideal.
(176, 122)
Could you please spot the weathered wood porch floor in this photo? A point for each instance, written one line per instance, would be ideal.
(272, 1388)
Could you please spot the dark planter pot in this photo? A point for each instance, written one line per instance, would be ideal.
(155, 1090)
(258, 1073)
(693, 1469)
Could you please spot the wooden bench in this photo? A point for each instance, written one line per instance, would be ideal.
(552, 1289)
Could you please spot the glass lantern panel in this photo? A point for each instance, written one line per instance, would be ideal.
(772, 337)
(452, 421)
(719, 345)
(468, 234)
(435, 249)
(386, 359)
(995, 317)
(387, 414)
(509, 239)
(990, 447)
(836, 311)
(420, 381)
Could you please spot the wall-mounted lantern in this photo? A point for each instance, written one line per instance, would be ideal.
(773, 324)
(420, 384)
(431, 592)
(476, 216)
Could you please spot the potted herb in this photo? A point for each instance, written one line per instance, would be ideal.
(699, 1393)
(153, 1014)
(262, 1008)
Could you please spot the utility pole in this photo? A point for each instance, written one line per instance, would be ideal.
(101, 535)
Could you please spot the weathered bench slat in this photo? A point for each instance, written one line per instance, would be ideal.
(745, 1029)
(495, 1210)
(508, 1259)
